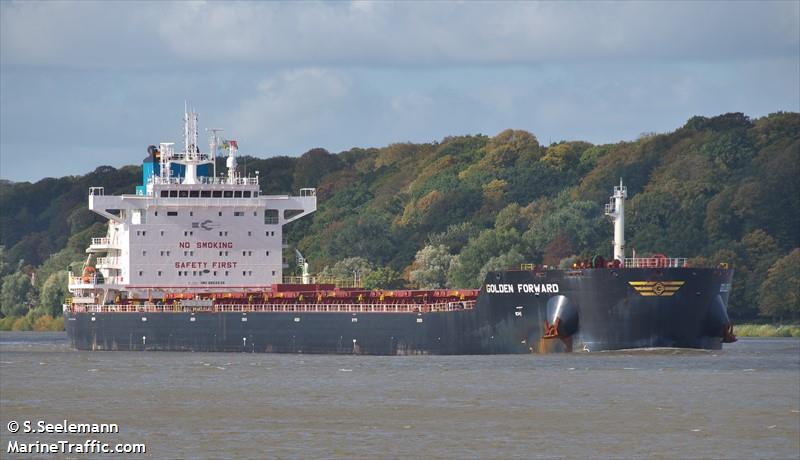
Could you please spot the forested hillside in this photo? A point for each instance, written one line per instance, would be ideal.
(721, 189)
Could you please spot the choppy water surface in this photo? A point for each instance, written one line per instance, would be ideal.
(742, 402)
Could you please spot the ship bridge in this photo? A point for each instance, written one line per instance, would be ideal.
(188, 228)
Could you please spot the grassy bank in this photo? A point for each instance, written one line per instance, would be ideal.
(766, 330)
(24, 323)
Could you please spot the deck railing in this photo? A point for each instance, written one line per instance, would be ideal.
(108, 261)
(338, 282)
(655, 262)
(205, 180)
(278, 308)
(90, 280)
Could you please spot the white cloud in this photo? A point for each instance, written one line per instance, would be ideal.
(89, 34)
(299, 109)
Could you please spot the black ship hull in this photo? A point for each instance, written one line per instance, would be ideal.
(516, 312)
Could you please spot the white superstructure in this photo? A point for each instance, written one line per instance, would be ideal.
(186, 230)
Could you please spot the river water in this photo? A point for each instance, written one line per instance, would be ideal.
(741, 402)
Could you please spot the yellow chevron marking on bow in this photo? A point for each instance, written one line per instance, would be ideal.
(656, 288)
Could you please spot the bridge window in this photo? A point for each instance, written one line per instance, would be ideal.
(246, 194)
(271, 216)
(217, 193)
(194, 193)
(237, 194)
(205, 193)
(173, 194)
(183, 193)
(227, 194)
(164, 193)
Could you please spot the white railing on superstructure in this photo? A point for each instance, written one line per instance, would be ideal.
(338, 282)
(281, 308)
(101, 241)
(194, 157)
(82, 299)
(92, 280)
(655, 262)
(108, 261)
(205, 180)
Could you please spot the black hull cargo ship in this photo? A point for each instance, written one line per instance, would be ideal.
(193, 262)
(524, 311)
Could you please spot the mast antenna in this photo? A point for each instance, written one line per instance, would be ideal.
(189, 130)
(213, 145)
(616, 210)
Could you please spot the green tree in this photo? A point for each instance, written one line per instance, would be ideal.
(512, 259)
(465, 271)
(455, 237)
(383, 278)
(364, 235)
(54, 291)
(579, 222)
(16, 294)
(780, 293)
(513, 217)
(430, 267)
(349, 269)
(312, 166)
(4, 265)
(759, 251)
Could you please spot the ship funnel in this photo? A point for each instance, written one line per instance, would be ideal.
(616, 210)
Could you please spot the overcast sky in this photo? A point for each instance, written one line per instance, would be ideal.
(86, 84)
